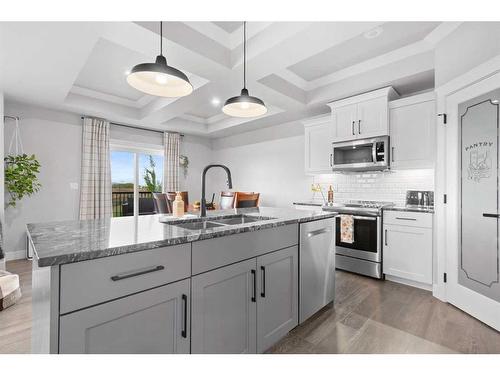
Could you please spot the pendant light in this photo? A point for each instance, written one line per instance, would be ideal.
(244, 105)
(158, 78)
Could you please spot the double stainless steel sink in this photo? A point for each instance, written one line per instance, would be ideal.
(208, 223)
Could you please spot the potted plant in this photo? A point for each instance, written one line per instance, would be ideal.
(21, 176)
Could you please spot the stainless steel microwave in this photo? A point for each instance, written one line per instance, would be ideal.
(369, 154)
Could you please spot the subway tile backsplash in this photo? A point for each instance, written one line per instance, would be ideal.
(379, 186)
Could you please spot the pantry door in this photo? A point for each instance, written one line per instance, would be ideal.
(472, 212)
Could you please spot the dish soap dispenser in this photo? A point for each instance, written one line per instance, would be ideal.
(330, 195)
(178, 205)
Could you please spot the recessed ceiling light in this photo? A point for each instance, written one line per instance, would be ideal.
(215, 101)
(373, 33)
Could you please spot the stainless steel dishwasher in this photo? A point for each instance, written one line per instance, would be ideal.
(317, 266)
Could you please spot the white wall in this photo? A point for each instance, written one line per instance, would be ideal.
(471, 44)
(2, 260)
(269, 161)
(55, 138)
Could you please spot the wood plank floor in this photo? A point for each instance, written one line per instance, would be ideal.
(369, 316)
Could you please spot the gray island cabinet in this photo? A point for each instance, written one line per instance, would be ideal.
(235, 291)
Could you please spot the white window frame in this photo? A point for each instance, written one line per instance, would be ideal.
(136, 149)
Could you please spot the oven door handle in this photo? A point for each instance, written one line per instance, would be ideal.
(371, 218)
(374, 152)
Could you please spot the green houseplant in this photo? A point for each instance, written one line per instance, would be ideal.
(21, 176)
(152, 183)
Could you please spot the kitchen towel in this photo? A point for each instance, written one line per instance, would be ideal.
(346, 228)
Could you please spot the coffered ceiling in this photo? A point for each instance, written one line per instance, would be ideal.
(295, 67)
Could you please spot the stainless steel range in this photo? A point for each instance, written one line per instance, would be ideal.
(364, 254)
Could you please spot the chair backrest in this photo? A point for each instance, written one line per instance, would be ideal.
(171, 197)
(226, 200)
(244, 200)
(161, 204)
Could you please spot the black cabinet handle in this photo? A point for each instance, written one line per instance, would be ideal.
(496, 216)
(353, 128)
(138, 273)
(254, 299)
(385, 237)
(359, 126)
(392, 154)
(263, 293)
(331, 161)
(184, 328)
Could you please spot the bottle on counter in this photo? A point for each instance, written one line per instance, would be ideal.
(330, 194)
(178, 205)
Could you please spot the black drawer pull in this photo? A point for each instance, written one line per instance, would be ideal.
(254, 291)
(406, 218)
(138, 273)
(263, 293)
(385, 237)
(184, 329)
(497, 216)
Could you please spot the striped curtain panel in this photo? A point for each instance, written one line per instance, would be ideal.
(171, 162)
(95, 188)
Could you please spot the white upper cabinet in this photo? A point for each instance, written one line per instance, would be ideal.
(413, 128)
(318, 144)
(362, 116)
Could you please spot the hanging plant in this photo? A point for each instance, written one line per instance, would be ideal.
(184, 164)
(21, 176)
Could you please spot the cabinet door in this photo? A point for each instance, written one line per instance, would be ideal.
(413, 135)
(408, 253)
(345, 121)
(373, 118)
(224, 314)
(318, 147)
(155, 321)
(277, 307)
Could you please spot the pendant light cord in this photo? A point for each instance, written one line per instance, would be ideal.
(244, 54)
(161, 38)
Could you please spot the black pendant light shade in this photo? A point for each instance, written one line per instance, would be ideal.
(244, 105)
(159, 78)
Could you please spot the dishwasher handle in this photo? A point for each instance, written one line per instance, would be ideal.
(317, 232)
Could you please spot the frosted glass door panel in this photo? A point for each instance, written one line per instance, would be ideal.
(479, 250)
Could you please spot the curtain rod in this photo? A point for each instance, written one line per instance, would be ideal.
(136, 127)
(11, 117)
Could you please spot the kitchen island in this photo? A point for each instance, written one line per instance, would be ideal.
(227, 283)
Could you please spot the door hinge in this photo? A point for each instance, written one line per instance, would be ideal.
(445, 277)
(445, 117)
(445, 198)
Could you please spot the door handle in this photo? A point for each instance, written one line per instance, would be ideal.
(359, 126)
(492, 215)
(385, 237)
(254, 299)
(263, 292)
(317, 232)
(137, 273)
(353, 128)
(184, 328)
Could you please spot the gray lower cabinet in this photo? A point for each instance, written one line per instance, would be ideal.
(277, 305)
(245, 307)
(224, 314)
(153, 321)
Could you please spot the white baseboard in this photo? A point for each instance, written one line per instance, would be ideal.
(415, 284)
(14, 255)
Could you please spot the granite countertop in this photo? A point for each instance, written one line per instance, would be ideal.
(429, 209)
(78, 240)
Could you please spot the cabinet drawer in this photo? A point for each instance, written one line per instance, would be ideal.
(218, 252)
(412, 219)
(94, 281)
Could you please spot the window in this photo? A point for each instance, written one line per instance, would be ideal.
(135, 174)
